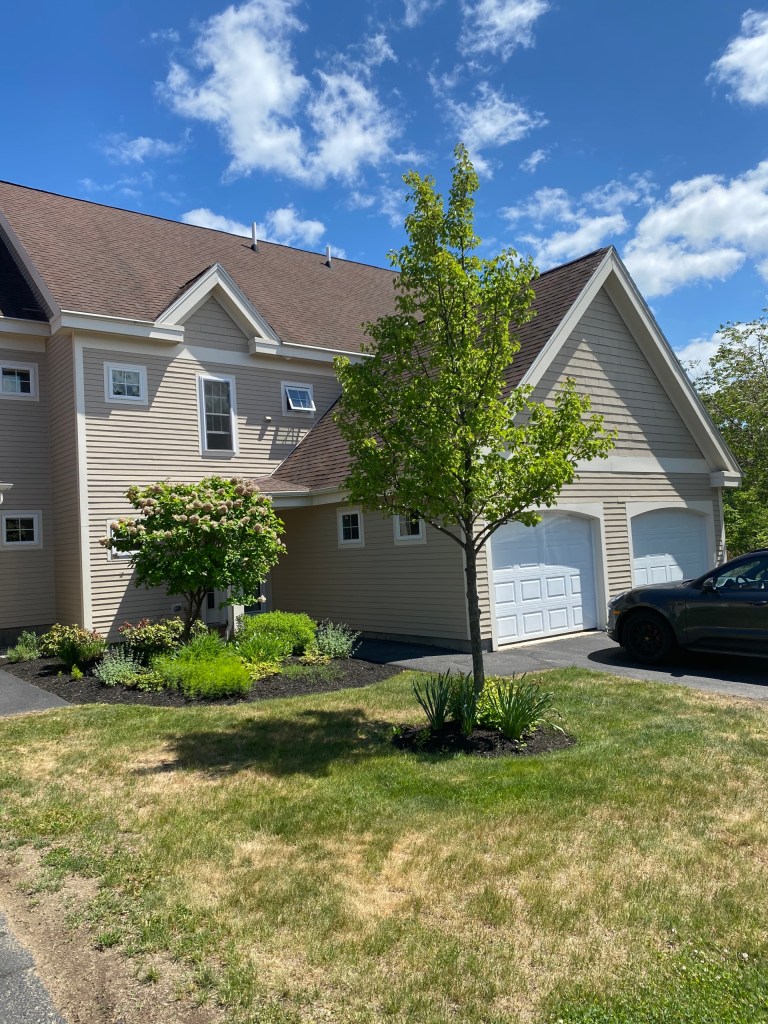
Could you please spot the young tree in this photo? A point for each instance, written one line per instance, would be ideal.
(193, 538)
(432, 429)
(734, 388)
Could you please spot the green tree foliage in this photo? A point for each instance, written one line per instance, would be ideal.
(432, 428)
(734, 388)
(217, 534)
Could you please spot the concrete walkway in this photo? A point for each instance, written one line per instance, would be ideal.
(729, 674)
(17, 697)
(23, 1000)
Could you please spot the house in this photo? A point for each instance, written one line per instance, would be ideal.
(134, 349)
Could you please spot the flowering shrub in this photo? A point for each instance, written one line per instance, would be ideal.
(73, 645)
(218, 534)
(145, 638)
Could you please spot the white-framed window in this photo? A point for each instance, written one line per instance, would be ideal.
(409, 530)
(21, 530)
(18, 381)
(218, 422)
(117, 556)
(298, 399)
(350, 526)
(125, 383)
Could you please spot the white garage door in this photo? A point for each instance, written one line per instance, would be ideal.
(668, 544)
(544, 578)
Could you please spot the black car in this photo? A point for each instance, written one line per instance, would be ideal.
(725, 610)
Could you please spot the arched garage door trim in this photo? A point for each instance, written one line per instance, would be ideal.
(594, 513)
(704, 509)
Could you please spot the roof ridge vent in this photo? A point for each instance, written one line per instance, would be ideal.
(254, 239)
(328, 257)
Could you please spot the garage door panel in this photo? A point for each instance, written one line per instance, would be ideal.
(668, 545)
(554, 594)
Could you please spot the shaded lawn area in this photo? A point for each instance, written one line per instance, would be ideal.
(305, 870)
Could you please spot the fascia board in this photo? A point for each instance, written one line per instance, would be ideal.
(94, 323)
(24, 328)
(615, 278)
(306, 353)
(14, 240)
(216, 281)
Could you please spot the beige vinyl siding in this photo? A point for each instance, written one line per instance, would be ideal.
(212, 327)
(65, 481)
(26, 574)
(607, 364)
(408, 590)
(138, 444)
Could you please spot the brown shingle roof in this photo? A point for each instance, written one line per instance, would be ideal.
(98, 259)
(322, 458)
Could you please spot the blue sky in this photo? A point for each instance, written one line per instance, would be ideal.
(590, 123)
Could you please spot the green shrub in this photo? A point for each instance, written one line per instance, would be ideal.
(145, 638)
(257, 648)
(118, 665)
(336, 640)
(27, 648)
(434, 696)
(463, 701)
(296, 626)
(514, 707)
(202, 644)
(220, 675)
(73, 645)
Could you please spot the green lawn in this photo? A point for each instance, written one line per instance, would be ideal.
(302, 869)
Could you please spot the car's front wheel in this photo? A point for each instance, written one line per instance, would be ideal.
(648, 638)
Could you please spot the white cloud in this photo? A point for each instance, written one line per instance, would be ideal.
(377, 50)
(360, 201)
(499, 26)
(696, 354)
(744, 65)
(417, 10)
(284, 226)
(164, 35)
(492, 120)
(392, 205)
(245, 82)
(132, 187)
(123, 150)
(531, 162)
(703, 229)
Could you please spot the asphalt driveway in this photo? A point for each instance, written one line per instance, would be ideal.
(741, 677)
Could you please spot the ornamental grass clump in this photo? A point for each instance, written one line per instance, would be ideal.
(295, 627)
(463, 702)
(515, 707)
(434, 697)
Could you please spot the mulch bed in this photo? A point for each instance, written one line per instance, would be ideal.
(482, 742)
(338, 675)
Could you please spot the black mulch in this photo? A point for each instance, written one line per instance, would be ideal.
(338, 675)
(482, 742)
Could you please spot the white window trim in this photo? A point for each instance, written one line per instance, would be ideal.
(360, 542)
(125, 399)
(31, 368)
(117, 556)
(36, 517)
(213, 453)
(304, 414)
(417, 538)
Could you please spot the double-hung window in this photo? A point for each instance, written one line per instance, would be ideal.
(350, 527)
(217, 414)
(18, 380)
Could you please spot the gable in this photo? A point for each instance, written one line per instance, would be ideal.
(607, 363)
(212, 327)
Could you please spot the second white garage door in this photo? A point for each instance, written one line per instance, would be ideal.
(544, 578)
(668, 544)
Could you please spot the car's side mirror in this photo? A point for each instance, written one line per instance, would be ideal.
(708, 586)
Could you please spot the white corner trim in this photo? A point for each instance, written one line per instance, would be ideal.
(82, 484)
(344, 511)
(217, 282)
(724, 479)
(25, 328)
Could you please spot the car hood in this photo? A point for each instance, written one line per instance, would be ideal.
(675, 585)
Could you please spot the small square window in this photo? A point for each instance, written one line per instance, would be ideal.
(297, 398)
(21, 529)
(18, 381)
(125, 383)
(409, 529)
(350, 526)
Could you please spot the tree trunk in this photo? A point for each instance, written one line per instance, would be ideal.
(473, 604)
(192, 612)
